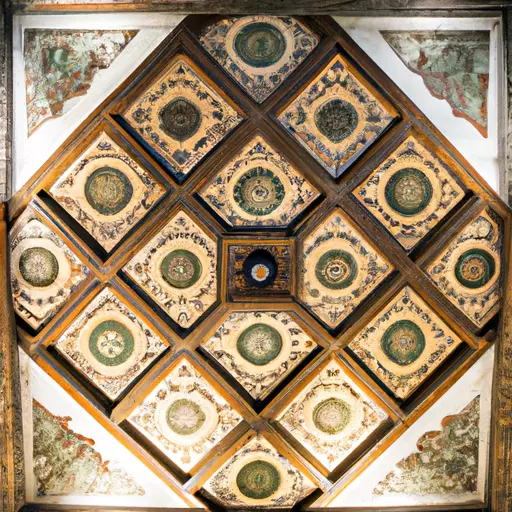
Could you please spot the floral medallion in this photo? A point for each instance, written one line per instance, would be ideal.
(336, 117)
(340, 268)
(182, 116)
(184, 416)
(404, 344)
(410, 192)
(178, 269)
(259, 52)
(259, 349)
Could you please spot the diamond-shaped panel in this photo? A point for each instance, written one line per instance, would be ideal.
(336, 117)
(259, 187)
(184, 416)
(259, 348)
(181, 116)
(177, 268)
(106, 191)
(404, 343)
(259, 52)
(340, 268)
(258, 476)
(468, 271)
(109, 344)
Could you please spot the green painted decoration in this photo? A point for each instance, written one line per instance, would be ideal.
(403, 342)
(258, 480)
(111, 343)
(259, 344)
(475, 268)
(408, 191)
(185, 417)
(331, 416)
(336, 119)
(181, 268)
(180, 119)
(336, 269)
(38, 266)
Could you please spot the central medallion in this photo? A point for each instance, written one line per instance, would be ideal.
(331, 416)
(181, 268)
(258, 191)
(408, 191)
(260, 44)
(180, 119)
(38, 266)
(403, 342)
(475, 268)
(258, 480)
(108, 190)
(185, 417)
(260, 268)
(336, 269)
(336, 119)
(111, 343)
(259, 344)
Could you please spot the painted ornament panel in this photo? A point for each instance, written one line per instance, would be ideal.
(404, 343)
(44, 271)
(336, 117)
(178, 269)
(331, 417)
(184, 416)
(259, 52)
(258, 477)
(181, 116)
(259, 187)
(468, 271)
(410, 193)
(109, 345)
(106, 191)
(340, 268)
(259, 349)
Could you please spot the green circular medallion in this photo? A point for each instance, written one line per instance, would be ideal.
(260, 44)
(336, 269)
(331, 416)
(185, 417)
(259, 191)
(259, 344)
(258, 480)
(38, 266)
(403, 342)
(181, 268)
(408, 191)
(475, 268)
(111, 343)
(108, 190)
(180, 119)
(336, 119)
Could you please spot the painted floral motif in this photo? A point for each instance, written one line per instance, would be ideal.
(258, 476)
(61, 65)
(468, 270)
(404, 343)
(44, 271)
(181, 116)
(339, 269)
(259, 187)
(336, 117)
(184, 416)
(178, 269)
(106, 192)
(331, 416)
(410, 193)
(259, 52)
(259, 348)
(109, 345)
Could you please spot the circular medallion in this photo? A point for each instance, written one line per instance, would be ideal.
(260, 268)
(259, 344)
(38, 266)
(259, 191)
(475, 268)
(260, 44)
(180, 119)
(258, 480)
(408, 191)
(331, 416)
(181, 268)
(185, 417)
(403, 342)
(336, 119)
(108, 190)
(336, 269)
(111, 343)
